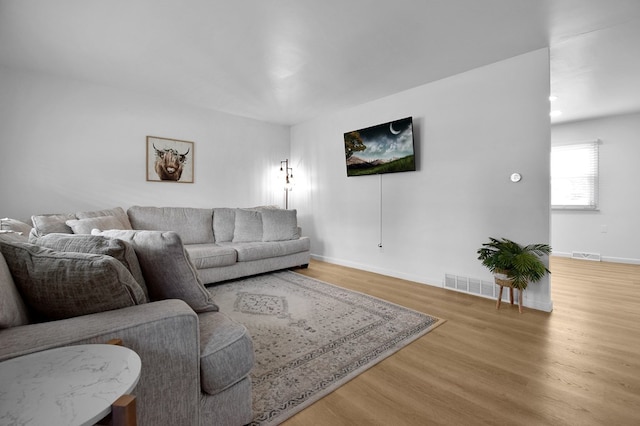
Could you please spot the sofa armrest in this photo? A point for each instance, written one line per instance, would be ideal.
(164, 334)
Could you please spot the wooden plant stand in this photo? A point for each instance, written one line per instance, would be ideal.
(508, 283)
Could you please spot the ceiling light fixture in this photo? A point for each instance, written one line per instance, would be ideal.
(556, 113)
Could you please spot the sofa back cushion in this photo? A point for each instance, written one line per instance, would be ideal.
(116, 212)
(248, 226)
(224, 220)
(13, 311)
(101, 223)
(167, 268)
(57, 285)
(279, 225)
(193, 225)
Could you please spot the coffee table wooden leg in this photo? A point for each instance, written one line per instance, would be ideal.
(123, 411)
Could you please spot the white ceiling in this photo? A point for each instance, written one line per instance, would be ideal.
(287, 61)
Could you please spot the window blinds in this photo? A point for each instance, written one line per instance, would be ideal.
(574, 176)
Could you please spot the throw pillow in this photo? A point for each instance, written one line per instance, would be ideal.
(116, 211)
(51, 223)
(101, 223)
(58, 285)
(248, 226)
(95, 244)
(8, 224)
(279, 225)
(14, 236)
(167, 268)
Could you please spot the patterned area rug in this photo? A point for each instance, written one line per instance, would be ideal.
(311, 337)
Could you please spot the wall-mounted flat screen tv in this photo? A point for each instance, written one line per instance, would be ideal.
(384, 148)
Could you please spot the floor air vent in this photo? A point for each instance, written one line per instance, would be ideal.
(586, 256)
(474, 286)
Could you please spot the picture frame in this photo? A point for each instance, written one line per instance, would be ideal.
(169, 160)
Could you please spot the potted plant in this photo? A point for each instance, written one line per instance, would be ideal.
(514, 265)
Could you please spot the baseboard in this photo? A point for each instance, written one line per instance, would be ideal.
(545, 306)
(612, 259)
(390, 273)
(621, 260)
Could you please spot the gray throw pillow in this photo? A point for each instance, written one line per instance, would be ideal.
(248, 226)
(279, 225)
(51, 223)
(58, 285)
(8, 224)
(167, 268)
(95, 244)
(14, 236)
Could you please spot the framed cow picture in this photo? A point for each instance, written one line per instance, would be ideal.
(169, 160)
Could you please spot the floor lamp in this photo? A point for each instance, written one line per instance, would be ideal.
(287, 173)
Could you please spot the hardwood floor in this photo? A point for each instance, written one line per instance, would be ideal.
(579, 365)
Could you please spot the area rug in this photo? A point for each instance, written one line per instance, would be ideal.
(311, 337)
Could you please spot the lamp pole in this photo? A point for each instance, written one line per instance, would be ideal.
(288, 176)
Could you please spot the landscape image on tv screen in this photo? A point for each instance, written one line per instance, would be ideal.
(384, 148)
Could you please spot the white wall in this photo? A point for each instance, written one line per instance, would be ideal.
(619, 197)
(69, 146)
(472, 131)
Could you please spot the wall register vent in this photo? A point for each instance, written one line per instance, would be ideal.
(586, 256)
(475, 286)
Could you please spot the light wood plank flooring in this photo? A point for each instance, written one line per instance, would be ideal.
(579, 365)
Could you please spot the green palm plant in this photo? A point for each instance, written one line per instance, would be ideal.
(521, 264)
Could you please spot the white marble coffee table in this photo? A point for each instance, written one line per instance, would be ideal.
(73, 385)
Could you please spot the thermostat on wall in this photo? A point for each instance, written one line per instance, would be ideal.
(515, 177)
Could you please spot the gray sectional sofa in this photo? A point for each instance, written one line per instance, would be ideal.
(147, 268)
(228, 243)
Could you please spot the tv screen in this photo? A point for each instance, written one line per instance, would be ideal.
(384, 148)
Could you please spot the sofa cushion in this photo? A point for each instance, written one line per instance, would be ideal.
(224, 220)
(95, 244)
(166, 267)
(101, 223)
(58, 285)
(279, 225)
(206, 256)
(13, 312)
(226, 352)
(263, 250)
(8, 224)
(118, 212)
(52, 223)
(195, 226)
(248, 226)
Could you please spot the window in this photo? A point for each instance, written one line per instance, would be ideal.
(574, 176)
